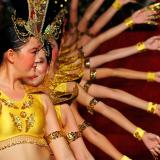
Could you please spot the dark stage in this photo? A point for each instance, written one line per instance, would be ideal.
(150, 91)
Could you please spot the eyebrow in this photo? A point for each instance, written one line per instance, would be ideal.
(33, 49)
(36, 48)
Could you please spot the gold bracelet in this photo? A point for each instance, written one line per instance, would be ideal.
(87, 62)
(72, 136)
(116, 5)
(140, 46)
(92, 74)
(151, 107)
(83, 126)
(87, 86)
(125, 158)
(92, 103)
(138, 133)
(54, 135)
(129, 22)
(151, 76)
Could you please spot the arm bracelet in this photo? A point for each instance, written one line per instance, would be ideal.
(116, 5)
(54, 135)
(138, 133)
(151, 107)
(129, 22)
(72, 136)
(151, 76)
(125, 158)
(140, 46)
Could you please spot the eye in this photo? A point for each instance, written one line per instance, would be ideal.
(34, 52)
(40, 62)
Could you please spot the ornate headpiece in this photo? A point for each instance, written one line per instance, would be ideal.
(40, 18)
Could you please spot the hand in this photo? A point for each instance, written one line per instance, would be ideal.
(152, 142)
(153, 43)
(144, 16)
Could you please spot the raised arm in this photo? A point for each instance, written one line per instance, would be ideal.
(151, 43)
(150, 140)
(139, 17)
(134, 74)
(73, 13)
(89, 13)
(107, 15)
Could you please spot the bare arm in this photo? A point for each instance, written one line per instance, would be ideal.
(74, 12)
(106, 17)
(150, 140)
(150, 44)
(91, 10)
(58, 146)
(95, 137)
(140, 16)
(69, 124)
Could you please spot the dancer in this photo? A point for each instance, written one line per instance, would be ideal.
(63, 111)
(25, 118)
(88, 98)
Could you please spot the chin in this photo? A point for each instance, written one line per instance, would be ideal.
(36, 83)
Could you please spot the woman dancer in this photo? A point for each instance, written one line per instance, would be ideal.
(25, 118)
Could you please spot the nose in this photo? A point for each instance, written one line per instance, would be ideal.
(35, 66)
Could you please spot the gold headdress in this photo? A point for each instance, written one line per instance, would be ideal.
(39, 16)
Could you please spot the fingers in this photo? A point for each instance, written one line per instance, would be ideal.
(154, 7)
(145, 16)
(151, 23)
(155, 16)
(151, 18)
(158, 139)
(155, 151)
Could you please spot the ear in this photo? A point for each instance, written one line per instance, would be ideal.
(10, 55)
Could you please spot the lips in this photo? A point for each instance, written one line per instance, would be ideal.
(32, 77)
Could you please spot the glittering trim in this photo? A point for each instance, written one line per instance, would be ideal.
(22, 140)
(87, 86)
(83, 126)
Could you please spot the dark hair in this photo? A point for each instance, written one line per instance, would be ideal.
(9, 40)
(48, 49)
(8, 37)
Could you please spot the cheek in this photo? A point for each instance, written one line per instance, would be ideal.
(29, 61)
(42, 69)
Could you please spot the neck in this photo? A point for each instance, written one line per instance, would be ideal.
(8, 78)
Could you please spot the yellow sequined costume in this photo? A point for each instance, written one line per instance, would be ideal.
(21, 121)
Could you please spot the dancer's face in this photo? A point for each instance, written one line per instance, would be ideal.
(41, 67)
(23, 59)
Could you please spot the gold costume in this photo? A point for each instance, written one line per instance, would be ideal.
(59, 114)
(24, 121)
